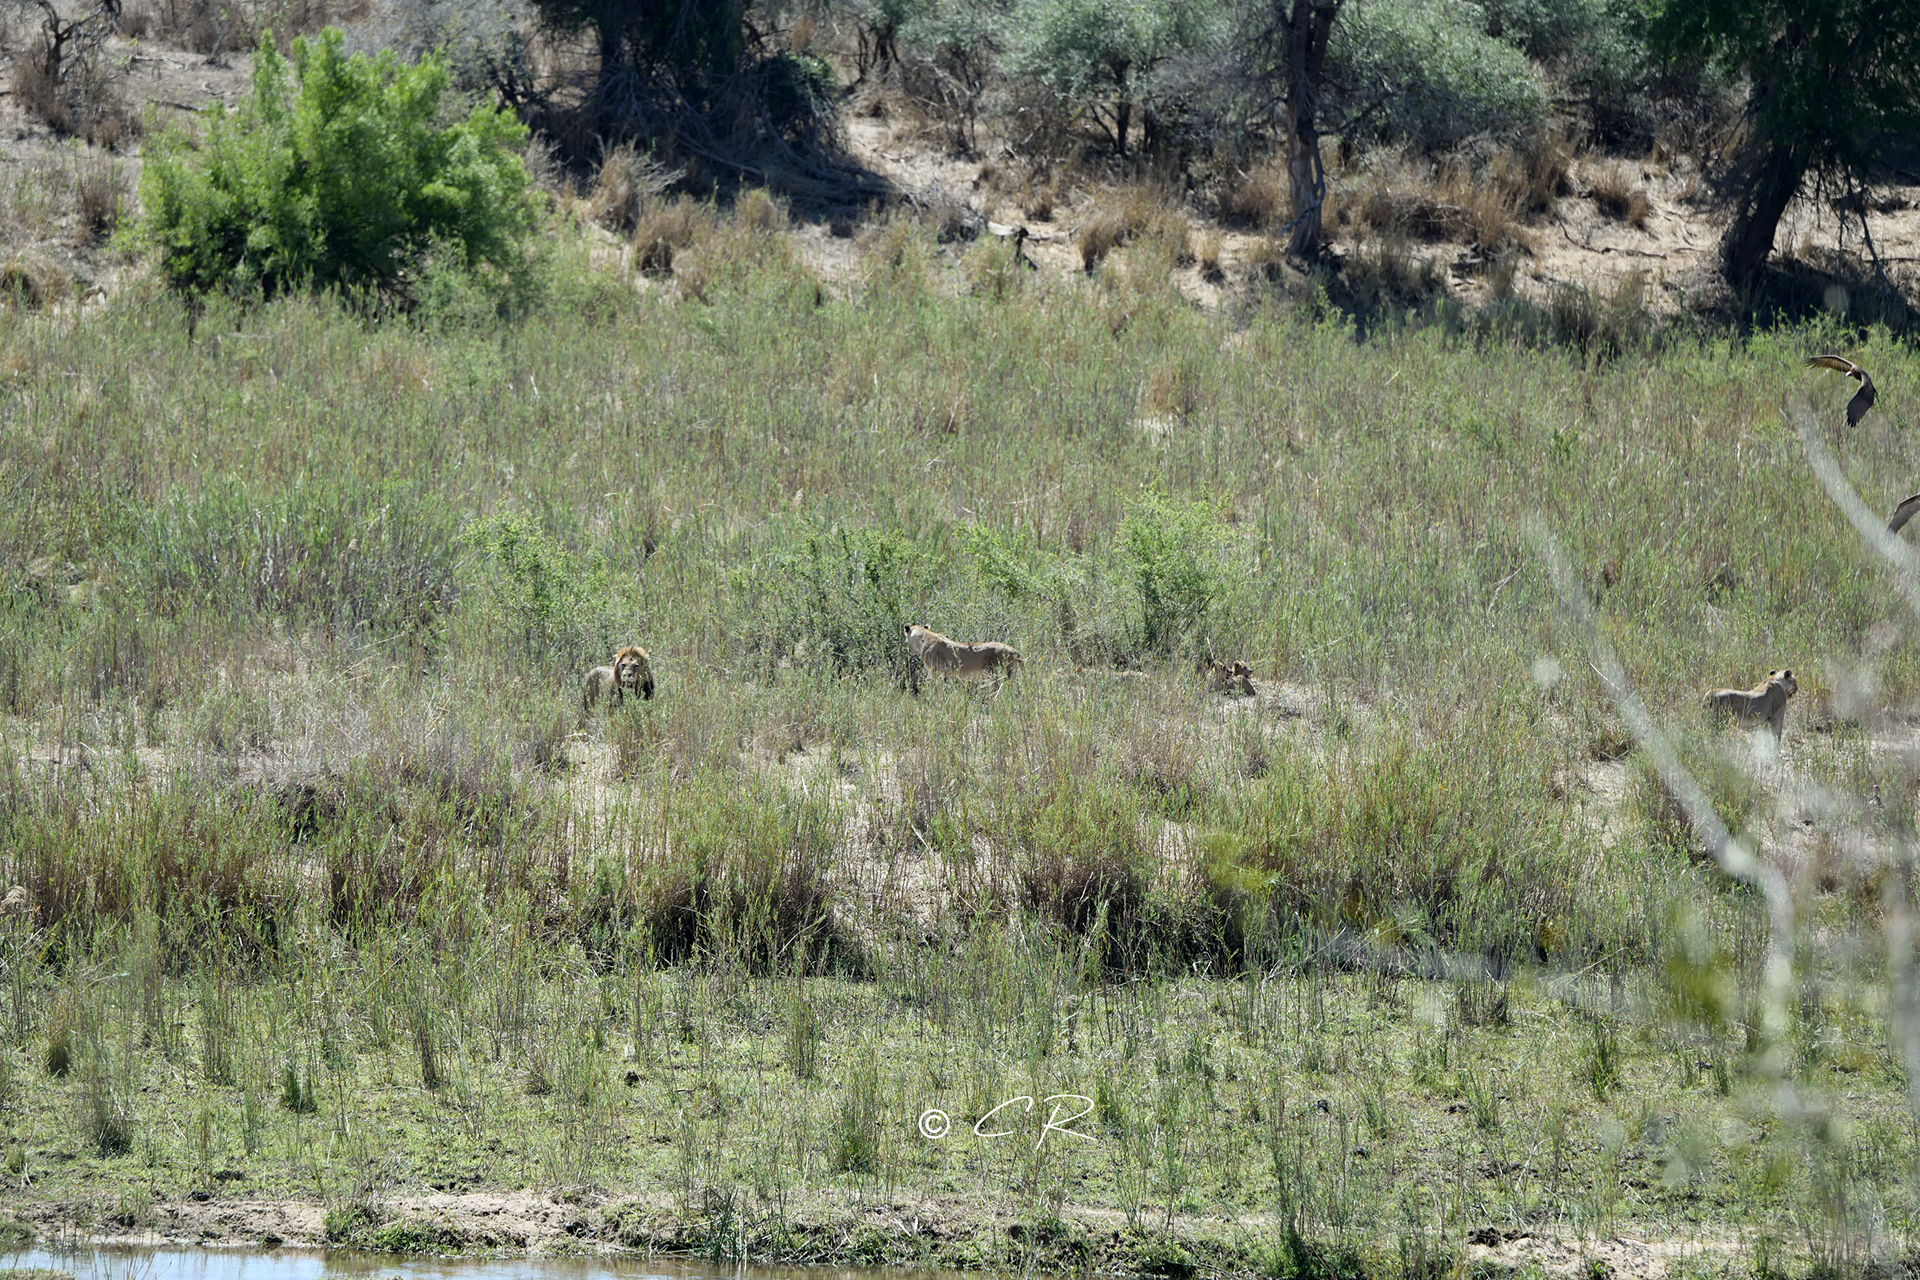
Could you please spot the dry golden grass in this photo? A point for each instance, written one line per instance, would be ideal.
(759, 212)
(1617, 195)
(1039, 197)
(1135, 214)
(1206, 251)
(30, 280)
(1387, 270)
(102, 191)
(1535, 172)
(1257, 197)
(666, 228)
(898, 250)
(1406, 196)
(994, 267)
(1266, 258)
(626, 184)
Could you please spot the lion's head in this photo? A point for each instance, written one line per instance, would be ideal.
(632, 671)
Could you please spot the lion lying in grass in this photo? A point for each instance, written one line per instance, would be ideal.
(1766, 702)
(961, 658)
(631, 672)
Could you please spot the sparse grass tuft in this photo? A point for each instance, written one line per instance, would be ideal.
(1617, 195)
(668, 227)
(1137, 213)
(1257, 198)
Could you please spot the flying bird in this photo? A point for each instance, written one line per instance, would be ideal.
(1903, 513)
(1863, 398)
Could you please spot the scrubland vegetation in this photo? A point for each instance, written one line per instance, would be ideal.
(1411, 964)
(333, 897)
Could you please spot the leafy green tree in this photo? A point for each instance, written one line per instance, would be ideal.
(335, 171)
(1097, 51)
(1447, 78)
(1826, 79)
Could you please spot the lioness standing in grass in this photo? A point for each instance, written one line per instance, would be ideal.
(1766, 702)
(631, 672)
(960, 658)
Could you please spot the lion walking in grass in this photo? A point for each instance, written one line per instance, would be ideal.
(1764, 703)
(947, 656)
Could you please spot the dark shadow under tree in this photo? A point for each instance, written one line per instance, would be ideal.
(699, 85)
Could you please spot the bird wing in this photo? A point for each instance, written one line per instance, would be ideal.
(1906, 511)
(1862, 401)
(1839, 364)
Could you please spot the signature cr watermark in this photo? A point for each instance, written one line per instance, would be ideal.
(935, 1124)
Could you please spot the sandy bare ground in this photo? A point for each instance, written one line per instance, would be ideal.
(596, 1223)
(1670, 251)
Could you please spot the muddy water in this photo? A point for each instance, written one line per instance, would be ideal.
(304, 1264)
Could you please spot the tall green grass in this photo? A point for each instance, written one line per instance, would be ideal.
(294, 772)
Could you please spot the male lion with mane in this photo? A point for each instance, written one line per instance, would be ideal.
(631, 672)
(1764, 703)
(953, 657)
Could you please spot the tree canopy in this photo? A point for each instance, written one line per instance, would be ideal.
(1828, 80)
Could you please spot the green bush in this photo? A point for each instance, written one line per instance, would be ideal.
(1093, 53)
(1446, 78)
(1596, 52)
(840, 596)
(1173, 551)
(552, 606)
(335, 172)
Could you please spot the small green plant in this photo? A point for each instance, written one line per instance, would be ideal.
(336, 171)
(803, 1038)
(1483, 1099)
(1173, 552)
(59, 1059)
(856, 1129)
(103, 1117)
(296, 1092)
(550, 602)
(1601, 1067)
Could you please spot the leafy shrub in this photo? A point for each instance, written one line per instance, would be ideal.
(1597, 53)
(552, 604)
(840, 596)
(1173, 550)
(334, 171)
(1446, 78)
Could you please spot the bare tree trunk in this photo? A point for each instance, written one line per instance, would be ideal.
(1748, 239)
(1306, 25)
